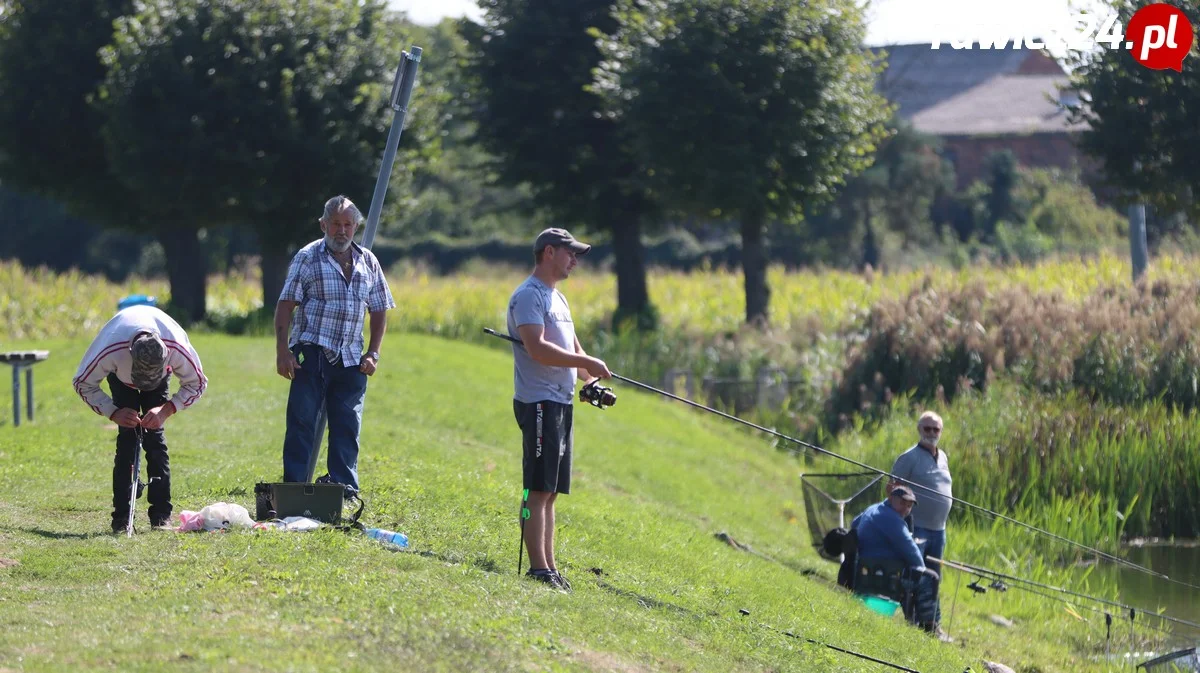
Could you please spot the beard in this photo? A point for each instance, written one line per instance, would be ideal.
(333, 245)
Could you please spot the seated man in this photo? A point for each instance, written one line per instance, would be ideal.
(886, 549)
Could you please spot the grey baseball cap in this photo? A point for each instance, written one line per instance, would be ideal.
(560, 238)
(149, 361)
(905, 493)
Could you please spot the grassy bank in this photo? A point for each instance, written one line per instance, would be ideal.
(654, 483)
(1050, 339)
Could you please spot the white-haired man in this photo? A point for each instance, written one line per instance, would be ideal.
(926, 469)
(332, 281)
(137, 351)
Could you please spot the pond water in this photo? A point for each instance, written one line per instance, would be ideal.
(1179, 562)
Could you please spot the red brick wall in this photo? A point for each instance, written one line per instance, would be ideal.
(1040, 150)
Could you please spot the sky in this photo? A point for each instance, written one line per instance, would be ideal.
(888, 21)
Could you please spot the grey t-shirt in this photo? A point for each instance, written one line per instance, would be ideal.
(535, 303)
(918, 466)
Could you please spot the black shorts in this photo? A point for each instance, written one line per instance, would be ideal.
(547, 437)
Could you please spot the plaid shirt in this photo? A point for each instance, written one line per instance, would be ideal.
(330, 314)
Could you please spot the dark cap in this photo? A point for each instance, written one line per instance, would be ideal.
(149, 361)
(559, 238)
(905, 493)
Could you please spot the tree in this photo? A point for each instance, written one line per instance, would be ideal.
(532, 64)
(50, 137)
(747, 109)
(1001, 171)
(898, 192)
(269, 108)
(1141, 123)
(453, 197)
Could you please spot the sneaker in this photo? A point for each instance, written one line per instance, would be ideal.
(546, 577)
(561, 580)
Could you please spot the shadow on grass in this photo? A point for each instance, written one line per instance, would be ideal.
(652, 603)
(490, 565)
(483, 563)
(61, 535)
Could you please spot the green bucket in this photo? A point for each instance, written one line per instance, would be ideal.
(883, 606)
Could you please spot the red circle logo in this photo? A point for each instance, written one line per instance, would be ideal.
(1159, 36)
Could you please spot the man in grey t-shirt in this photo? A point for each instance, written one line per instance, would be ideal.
(926, 470)
(544, 377)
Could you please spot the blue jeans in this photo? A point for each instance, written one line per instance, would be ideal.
(935, 546)
(341, 390)
(935, 542)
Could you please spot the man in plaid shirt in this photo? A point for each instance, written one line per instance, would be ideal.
(331, 280)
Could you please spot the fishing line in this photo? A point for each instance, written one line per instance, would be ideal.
(843, 650)
(655, 603)
(813, 447)
(986, 573)
(1081, 606)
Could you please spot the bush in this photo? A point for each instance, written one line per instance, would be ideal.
(1126, 345)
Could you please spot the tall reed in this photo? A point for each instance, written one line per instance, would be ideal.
(1094, 470)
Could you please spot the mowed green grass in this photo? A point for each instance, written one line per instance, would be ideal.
(654, 482)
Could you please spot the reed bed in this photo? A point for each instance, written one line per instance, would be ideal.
(1094, 471)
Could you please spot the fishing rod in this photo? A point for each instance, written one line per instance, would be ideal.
(898, 667)
(813, 447)
(655, 603)
(1108, 616)
(985, 573)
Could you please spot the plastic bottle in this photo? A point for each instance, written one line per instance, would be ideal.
(388, 537)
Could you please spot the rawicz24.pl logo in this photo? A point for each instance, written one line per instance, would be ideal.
(1159, 36)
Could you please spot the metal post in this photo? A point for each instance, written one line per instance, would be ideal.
(1137, 240)
(402, 86)
(16, 395)
(29, 392)
(1139, 257)
(406, 77)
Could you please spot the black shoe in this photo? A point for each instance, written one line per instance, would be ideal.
(546, 577)
(350, 493)
(119, 528)
(561, 580)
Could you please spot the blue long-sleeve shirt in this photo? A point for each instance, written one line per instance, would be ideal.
(882, 534)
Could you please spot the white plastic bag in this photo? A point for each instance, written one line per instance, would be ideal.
(222, 515)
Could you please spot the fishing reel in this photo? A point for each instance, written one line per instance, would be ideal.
(597, 395)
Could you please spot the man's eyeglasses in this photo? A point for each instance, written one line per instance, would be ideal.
(932, 430)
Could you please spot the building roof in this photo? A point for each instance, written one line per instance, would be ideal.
(917, 77)
(1002, 105)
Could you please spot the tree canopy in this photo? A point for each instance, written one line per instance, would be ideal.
(1141, 123)
(532, 64)
(251, 112)
(746, 109)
